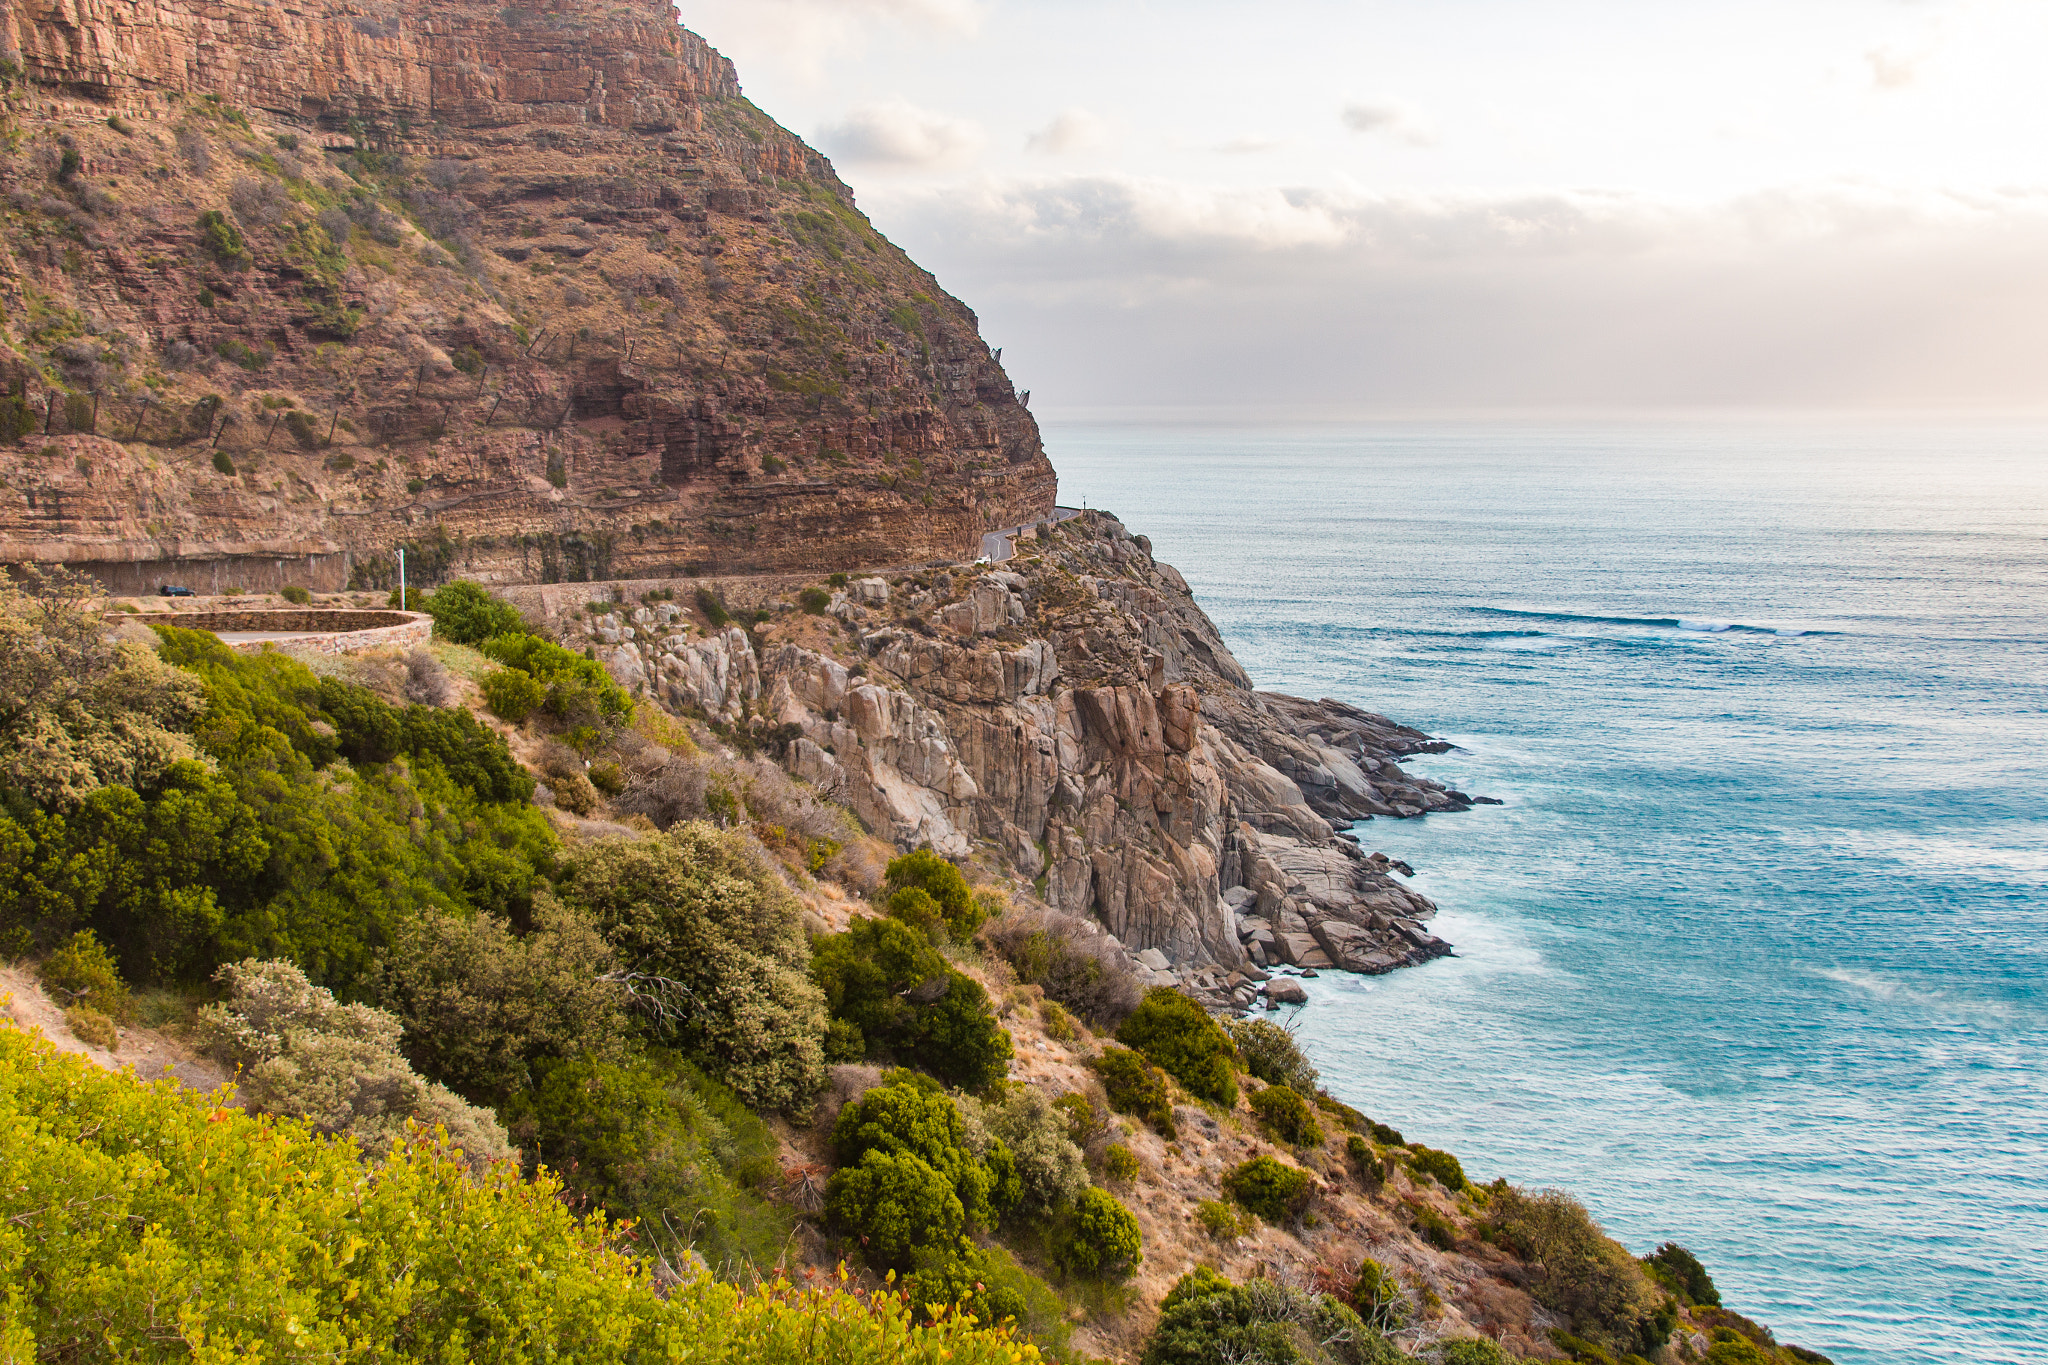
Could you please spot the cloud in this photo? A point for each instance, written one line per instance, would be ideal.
(1072, 130)
(1114, 291)
(1249, 146)
(898, 134)
(1891, 69)
(1395, 118)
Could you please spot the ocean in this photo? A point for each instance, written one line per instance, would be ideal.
(1752, 956)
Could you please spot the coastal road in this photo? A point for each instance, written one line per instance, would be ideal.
(997, 546)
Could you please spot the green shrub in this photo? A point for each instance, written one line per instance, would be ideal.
(468, 359)
(1050, 1170)
(1119, 1164)
(1135, 1087)
(1434, 1228)
(495, 1268)
(1224, 1222)
(814, 600)
(919, 911)
(988, 1283)
(486, 1010)
(1441, 1167)
(1599, 1288)
(1271, 1189)
(902, 1000)
(909, 1119)
(942, 882)
(293, 593)
(90, 1026)
(1385, 1136)
(1681, 1273)
(1178, 1035)
(222, 464)
(306, 433)
(466, 614)
(1099, 1238)
(513, 696)
(1058, 1024)
(896, 1206)
(714, 949)
(82, 972)
(1074, 968)
(336, 1066)
(1270, 1053)
(650, 1138)
(1285, 1116)
(221, 239)
(1475, 1351)
(580, 692)
(1086, 1122)
(1377, 1298)
(713, 609)
(1205, 1319)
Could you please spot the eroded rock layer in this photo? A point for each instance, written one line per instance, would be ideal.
(1074, 713)
(533, 291)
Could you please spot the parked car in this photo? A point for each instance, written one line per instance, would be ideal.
(173, 590)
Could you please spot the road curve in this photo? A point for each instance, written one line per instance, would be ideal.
(997, 546)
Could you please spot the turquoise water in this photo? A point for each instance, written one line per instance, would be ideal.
(1752, 956)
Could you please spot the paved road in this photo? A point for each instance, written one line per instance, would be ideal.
(997, 546)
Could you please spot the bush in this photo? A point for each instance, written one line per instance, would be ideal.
(1100, 1238)
(1377, 1298)
(1180, 1036)
(465, 614)
(713, 609)
(90, 1026)
(81, 972)
(1134, 1087)
(1272, 1190)
(988, 1283)
(814, 600)
(1270, 1053)
(1680, 1272)
(897, 1206)
(908, 1119)
(512, 695)
(1285, 1116)
(1049, 1166)
(1475, 1351)
(713, 947)
(485, 1011)
(1205, 1319)
(1119, 1164)
(221, 239)
(939, 880)
(885, 981)
(222, 464)
(579, 691)
(650, 1138)
(497, 1268)
(1224, 1222)
(1070, 961)
(1579, 1272)
(1086, 1123)
(293, 593)
(1441, 1167)
(336, 1066)
(1058, 1024)
(1434, 1228)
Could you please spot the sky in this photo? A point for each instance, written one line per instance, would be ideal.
(1450, 206)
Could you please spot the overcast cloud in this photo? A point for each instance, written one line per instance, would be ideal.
(1326, 207)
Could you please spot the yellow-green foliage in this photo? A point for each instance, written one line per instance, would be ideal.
(145, 1224)
(1179, 1035)
(82, 972)
(1285, 1116)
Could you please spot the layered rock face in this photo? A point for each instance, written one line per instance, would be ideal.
(532, 291)
(1074, 714)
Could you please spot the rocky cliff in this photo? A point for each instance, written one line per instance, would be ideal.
(533, 291)
(1073, 715)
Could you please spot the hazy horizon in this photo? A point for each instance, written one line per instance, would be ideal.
(1467, 207)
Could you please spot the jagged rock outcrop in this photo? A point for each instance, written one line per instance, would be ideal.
(1075, 714)
(535, 292)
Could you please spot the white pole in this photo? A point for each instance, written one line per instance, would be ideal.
(404, 602)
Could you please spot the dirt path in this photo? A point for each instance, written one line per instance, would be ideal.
(151, 1054)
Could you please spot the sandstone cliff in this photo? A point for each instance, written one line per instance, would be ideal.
(534, 291)
(1076, 717)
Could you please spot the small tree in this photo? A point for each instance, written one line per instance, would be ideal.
(466, 614)
(943, 883)
(1272, 1190)
(1176, 1033)
(895, 1205)
(1100, 1238)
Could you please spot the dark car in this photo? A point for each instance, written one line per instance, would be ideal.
(173, 590)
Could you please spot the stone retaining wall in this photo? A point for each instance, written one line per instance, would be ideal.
(329, 632)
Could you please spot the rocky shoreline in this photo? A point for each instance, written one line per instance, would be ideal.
(1075, 718)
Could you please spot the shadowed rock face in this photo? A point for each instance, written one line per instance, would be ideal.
(1076, 714)
(536, 292)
